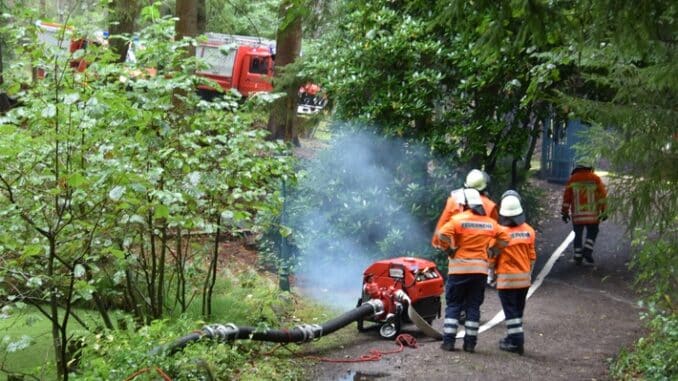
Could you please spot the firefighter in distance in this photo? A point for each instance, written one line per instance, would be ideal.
(584, 201)
(514, 267)
(467, 237)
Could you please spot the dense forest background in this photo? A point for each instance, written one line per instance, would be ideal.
(118, 191)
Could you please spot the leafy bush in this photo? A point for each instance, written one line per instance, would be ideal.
(245, 299)
(654, 356)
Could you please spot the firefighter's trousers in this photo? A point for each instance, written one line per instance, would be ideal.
(584, 248)
(465, 291)
(513, 303)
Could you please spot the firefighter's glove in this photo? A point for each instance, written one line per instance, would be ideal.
(491, 279)
(492, 252)
(565, 217)
(451, 251)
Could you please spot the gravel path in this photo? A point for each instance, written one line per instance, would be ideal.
(574, 324)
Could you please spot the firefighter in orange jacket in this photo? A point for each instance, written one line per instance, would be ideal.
(477, 180)
(514, 269)
(468, 236)
(585, 198)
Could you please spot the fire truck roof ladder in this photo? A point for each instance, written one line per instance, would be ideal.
(232, 38)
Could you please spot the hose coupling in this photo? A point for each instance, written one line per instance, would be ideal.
(402, 297)
(377, 306)
(309, 332)
(221, 332)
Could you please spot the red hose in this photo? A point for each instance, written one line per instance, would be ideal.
(402, 340)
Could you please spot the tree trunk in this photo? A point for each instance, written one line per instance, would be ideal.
(59, 350)
(211, 280)
(201, 17)
(187, 25)
(534, 137)
(4, 101)
(2, 41)
(121, 18)
(288, 46)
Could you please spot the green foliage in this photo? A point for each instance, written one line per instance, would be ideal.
(25, 344)
(414, 75)
(106, 175)
(654, 356)
(654, 263)
(244, 299)
(251, 18)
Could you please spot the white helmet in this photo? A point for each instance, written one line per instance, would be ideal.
(510, 206)
(476, 179)
(472, 198)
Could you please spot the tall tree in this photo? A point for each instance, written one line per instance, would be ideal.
(187, 24)
(281, 121)
(201, 16)
(4, 102)
(122, 15)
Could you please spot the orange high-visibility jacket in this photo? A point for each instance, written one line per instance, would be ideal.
(514, 263)
(490, 207)
(452, 207)
(584, 196)
(471, 235)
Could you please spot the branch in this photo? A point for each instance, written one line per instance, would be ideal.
(15, 373)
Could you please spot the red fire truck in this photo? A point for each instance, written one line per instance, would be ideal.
(62, 37)
(245, 63)
(235, 62)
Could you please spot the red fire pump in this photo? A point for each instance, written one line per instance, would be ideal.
(410, 290)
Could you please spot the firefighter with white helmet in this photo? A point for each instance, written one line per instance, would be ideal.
(479, 180)
(514, 269)
(468, 237)
(475, 179)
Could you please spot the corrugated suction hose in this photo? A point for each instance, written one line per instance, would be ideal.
(299, 334)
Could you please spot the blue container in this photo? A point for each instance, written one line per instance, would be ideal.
(557, 150)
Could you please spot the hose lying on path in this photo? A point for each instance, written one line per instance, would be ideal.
(415, 318)
(299, 334)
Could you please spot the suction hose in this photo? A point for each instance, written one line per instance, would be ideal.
(299, 334)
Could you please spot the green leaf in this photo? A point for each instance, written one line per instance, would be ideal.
(75, 180)
(32, 250)
(84, 289)
(79, 271)
(49, 111)
(161, 211)
(116, 193)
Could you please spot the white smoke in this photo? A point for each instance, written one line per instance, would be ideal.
(366, 169)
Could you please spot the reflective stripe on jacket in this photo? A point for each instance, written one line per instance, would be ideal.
(514, 263)
(584, 197)
(472, 236)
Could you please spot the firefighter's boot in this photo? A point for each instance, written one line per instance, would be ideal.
(577, 255)
(449, 334)
(587, 252)
(505, 344)
(469, 347)
(447, 346)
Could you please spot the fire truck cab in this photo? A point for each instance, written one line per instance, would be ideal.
(236, 62)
